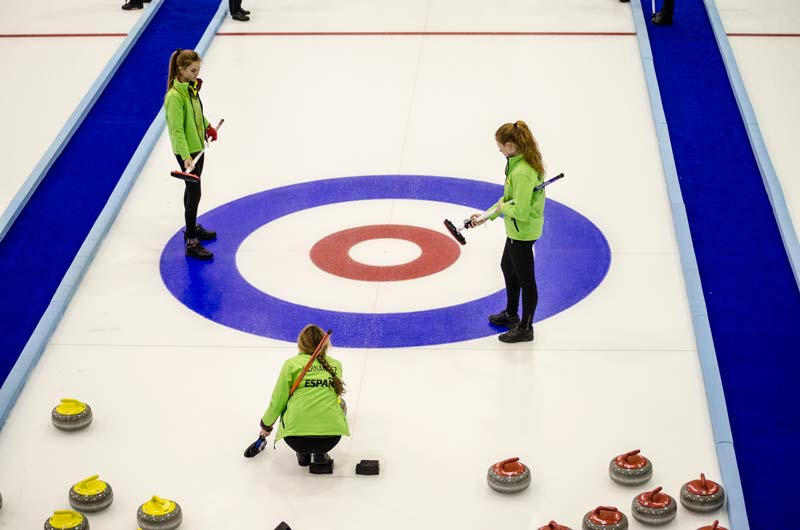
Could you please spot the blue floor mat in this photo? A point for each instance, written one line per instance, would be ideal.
(750, 292)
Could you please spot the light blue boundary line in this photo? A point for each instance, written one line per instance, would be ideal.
(36, 344)
(718, 410)
(27, 189)
(768, 174)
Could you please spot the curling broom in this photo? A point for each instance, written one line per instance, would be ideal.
(185, 175)
(456, 232)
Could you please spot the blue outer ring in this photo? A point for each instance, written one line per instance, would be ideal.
(572, 258)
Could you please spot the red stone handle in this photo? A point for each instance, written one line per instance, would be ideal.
(604, 509)
(508, 461)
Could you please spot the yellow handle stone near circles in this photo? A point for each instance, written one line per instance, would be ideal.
(65, 519)
(70, 407)
(90, 486)
(158, 506)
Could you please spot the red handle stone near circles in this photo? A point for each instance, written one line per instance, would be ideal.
(654, 499)
(509, 467)
(631, 460)
(611, 515)
(702, 487)
(714, 526)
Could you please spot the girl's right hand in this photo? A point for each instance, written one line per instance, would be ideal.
(474, 220)
(188, 165)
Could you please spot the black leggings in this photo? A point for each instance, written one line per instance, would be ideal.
(312, 444)
(519, 273)
(191, 196)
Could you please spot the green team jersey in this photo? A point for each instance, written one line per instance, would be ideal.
(525, 218)
(185, 121)
(313, 409)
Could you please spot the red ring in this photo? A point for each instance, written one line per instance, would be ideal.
(438, 252)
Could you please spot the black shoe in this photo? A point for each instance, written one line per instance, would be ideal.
(504, 319)
(625, 1)
(202, 234)
(131, 5)
(240, 16)
(244, 11)
(304, 459)
(517, 334)
(196, 250)
(321, 464)
(661, 19)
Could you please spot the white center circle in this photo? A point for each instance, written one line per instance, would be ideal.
(385, 252)
(275, 258)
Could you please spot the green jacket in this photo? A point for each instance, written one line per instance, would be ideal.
(523, 219)
(314, 408)
(185, 120)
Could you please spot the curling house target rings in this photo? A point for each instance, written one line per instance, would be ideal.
(572, 258)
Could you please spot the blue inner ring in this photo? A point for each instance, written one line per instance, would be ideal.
(572, 258)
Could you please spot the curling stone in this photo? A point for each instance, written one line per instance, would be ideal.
(343, 404)
(630, 469)
(509, 476)
(66, 519)
(714, 526)
(91, 495)
(702, 495)
(159, 514)
(71, 415)
(605, 518)
(552, 525)
(654, 507)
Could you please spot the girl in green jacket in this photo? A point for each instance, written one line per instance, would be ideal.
(188, 130)
(523, 219)
(313, 420)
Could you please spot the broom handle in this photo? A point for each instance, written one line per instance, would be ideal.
(310, 361)
(195, 159)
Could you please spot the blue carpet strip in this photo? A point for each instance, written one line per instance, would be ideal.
(38, 249)
(748, 285)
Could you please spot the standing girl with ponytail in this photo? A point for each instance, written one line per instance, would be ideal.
(523, 219)
(313, 420)
(188, 130)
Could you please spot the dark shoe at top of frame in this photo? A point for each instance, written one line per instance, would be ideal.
(517, 334)
(133, 4)
(661, 19)
(240, 17)
(626, 1)
(504, 319)
(303, 459)
(195, 250)
(244, 11)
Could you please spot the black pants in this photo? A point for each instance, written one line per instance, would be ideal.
(312, 444)
(191, 196)
(518, 271)
(234, 6)
(668, 8)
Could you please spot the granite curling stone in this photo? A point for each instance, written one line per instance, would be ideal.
(630, 469)
(71, 415)
(91, 495)
(702, 495)
(605, 518)
(159, 514)
(654, 507)
(509, 476)
(714, 526)
(66, 520)
(552, 525)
